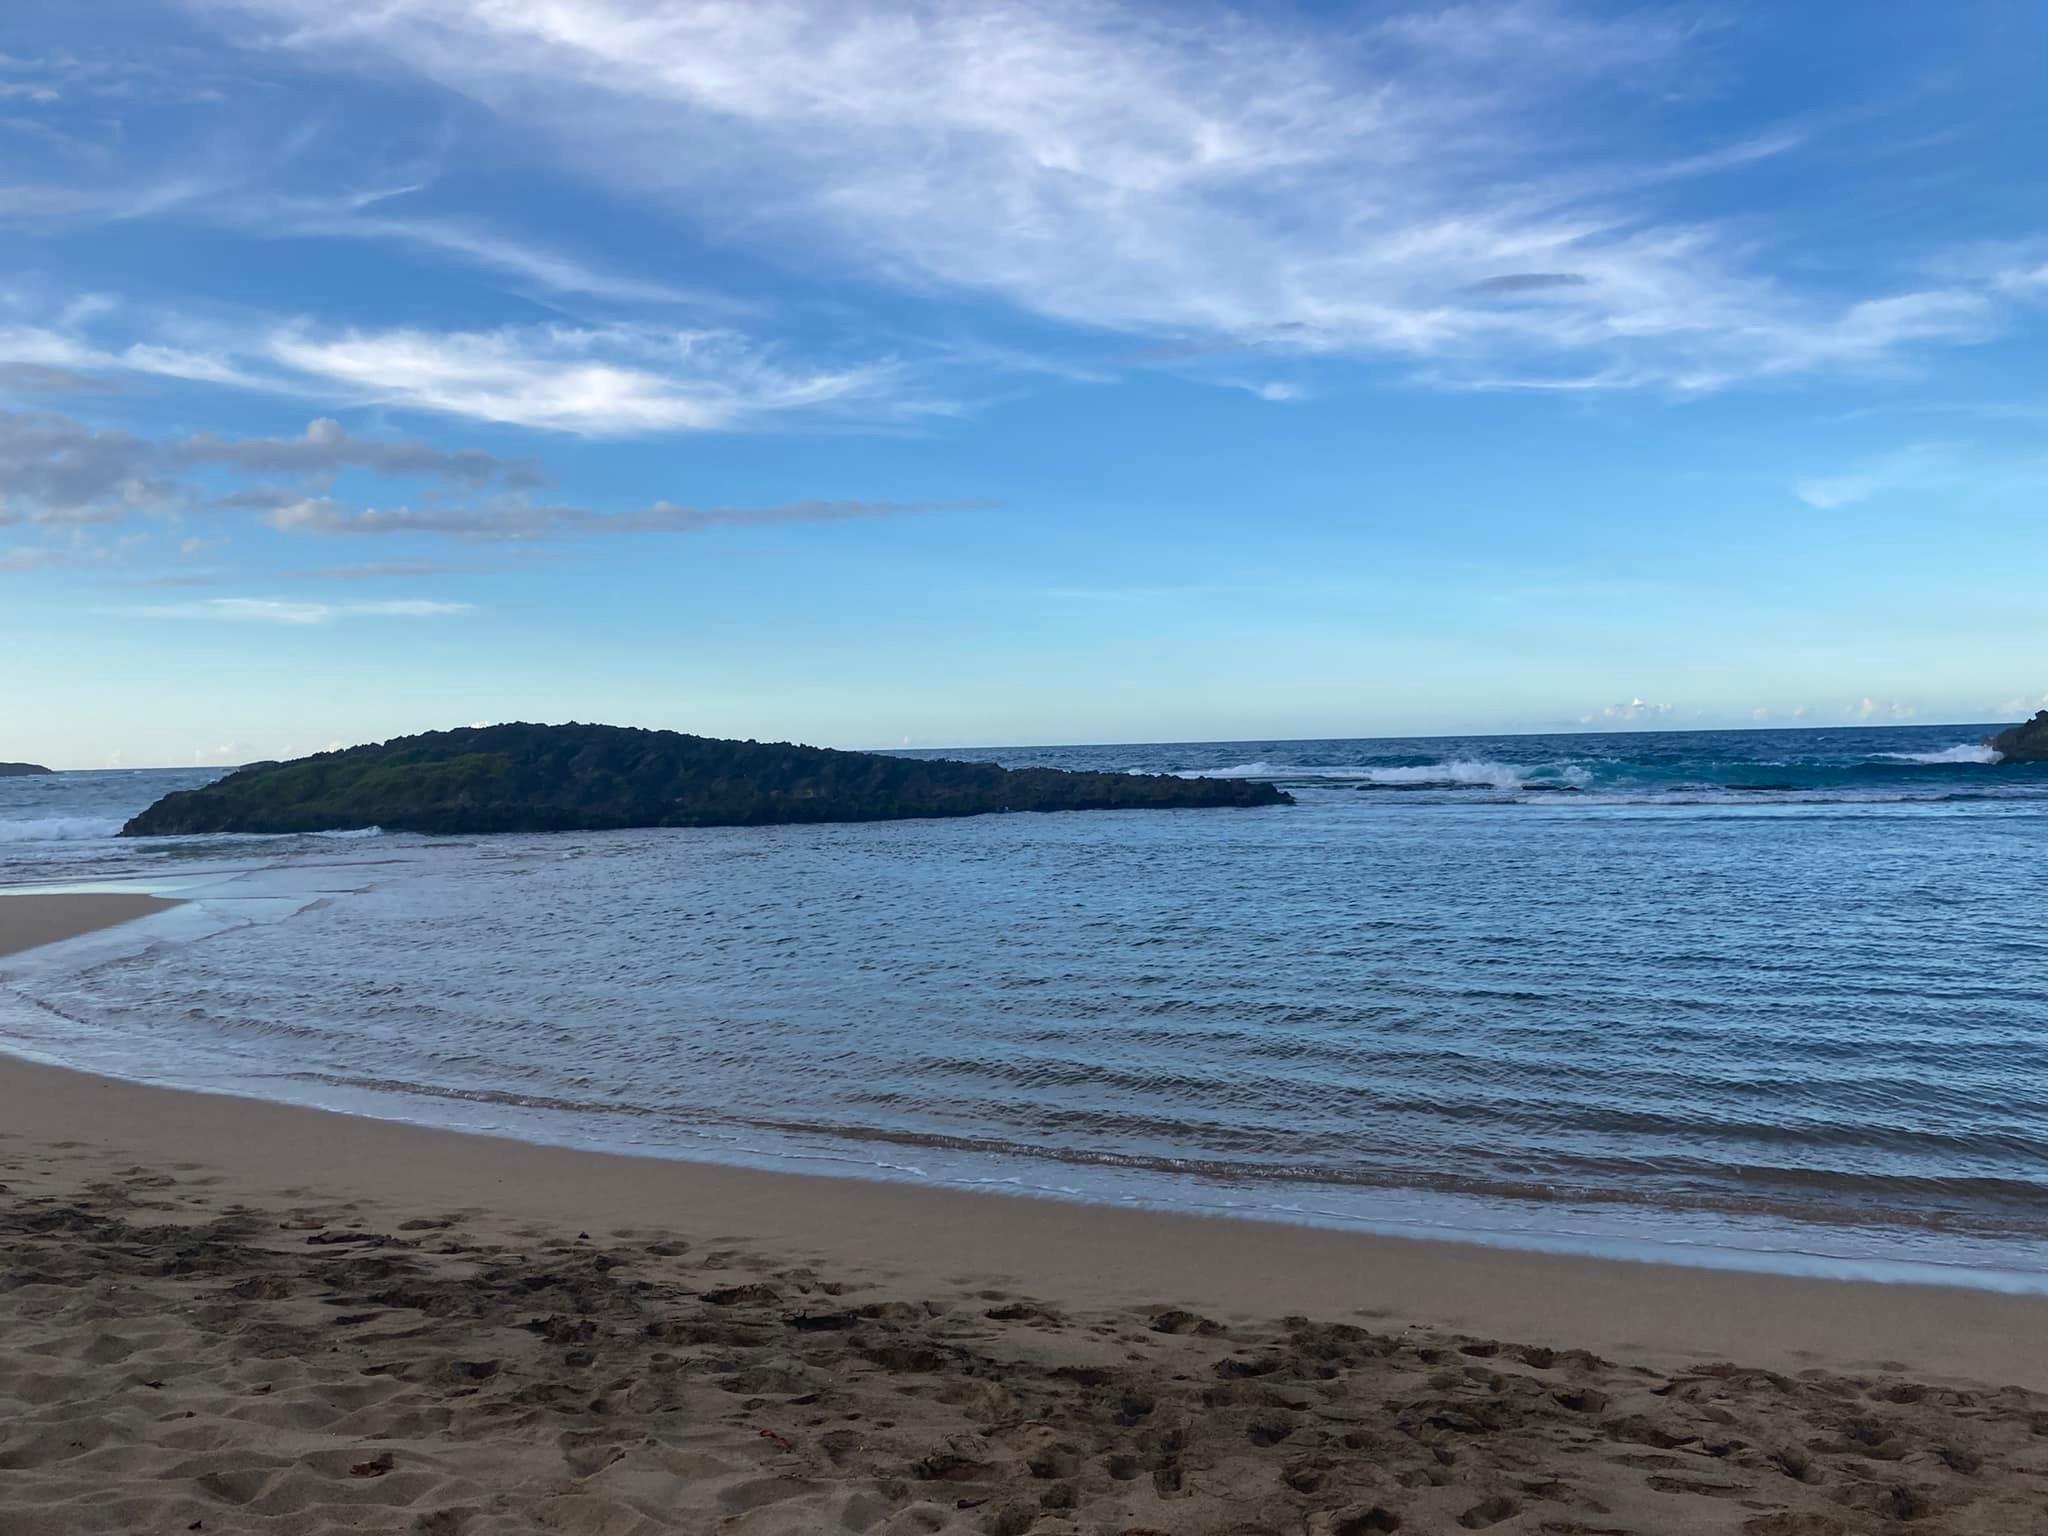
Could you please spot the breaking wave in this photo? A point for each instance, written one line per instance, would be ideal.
(1966, 753)
(1471, 773)
(58, 829)
(1452, 773)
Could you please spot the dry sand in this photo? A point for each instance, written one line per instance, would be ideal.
(222, 1315)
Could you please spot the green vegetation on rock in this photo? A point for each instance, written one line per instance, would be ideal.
(559, 778)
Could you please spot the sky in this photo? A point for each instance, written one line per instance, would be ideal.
(986, 373)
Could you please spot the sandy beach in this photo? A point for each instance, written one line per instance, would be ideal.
(27, 921)
(226, 1315)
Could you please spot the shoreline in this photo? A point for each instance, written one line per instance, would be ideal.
(228, 1316)
(1798, 1246)
(1660, 1311)
(1657, 1315)
(238, 1316)
(32, 921)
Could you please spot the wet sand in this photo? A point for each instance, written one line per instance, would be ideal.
(257, 1317)
(27, 921)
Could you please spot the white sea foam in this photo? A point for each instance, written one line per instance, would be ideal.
(1965, 753)
(1264, 770)
(1458, 772)
(1246, 771)
(57, 829)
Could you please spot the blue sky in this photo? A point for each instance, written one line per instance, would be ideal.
(987, 372)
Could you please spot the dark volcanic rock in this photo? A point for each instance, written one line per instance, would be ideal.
(558, 778)
(2026, 743)
(20, 770)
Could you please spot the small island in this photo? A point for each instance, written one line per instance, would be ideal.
(20, 770)
(581, 778)
(2024, 743)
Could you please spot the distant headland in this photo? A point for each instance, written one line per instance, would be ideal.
(562, 778)
(20, 770)
(2024, 743)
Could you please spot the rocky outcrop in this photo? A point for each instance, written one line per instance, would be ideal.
(2025, 743)
(556, 778)
(20, 770)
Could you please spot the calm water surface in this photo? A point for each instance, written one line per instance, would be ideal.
(1767, 998)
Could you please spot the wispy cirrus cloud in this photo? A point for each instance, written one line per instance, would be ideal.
(609, 380)
(327, 447)
(1917, 464)
(383, 570)
(526, 262)
(33, 354)
(1390, 187)
(517, 520)
(268, 610)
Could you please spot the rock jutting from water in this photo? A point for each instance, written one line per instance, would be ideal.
(20, 770)
(2023, 743)
(559, 778)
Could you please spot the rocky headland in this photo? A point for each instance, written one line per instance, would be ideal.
(558, 778)
(2023, 743)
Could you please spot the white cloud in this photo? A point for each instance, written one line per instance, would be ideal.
(31, 346)
(616, 380)
(2016, 269)
(178, 363)
(2029, 282)
(532, 381)
(609, 380)
(1365, 189)
(1916, 464)
(264, 610)
(1635, 711)
(1875, 709)
(66, 349)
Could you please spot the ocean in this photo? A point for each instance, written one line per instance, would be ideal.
(1771, 999)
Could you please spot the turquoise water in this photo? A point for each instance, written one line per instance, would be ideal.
(1769, 998)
